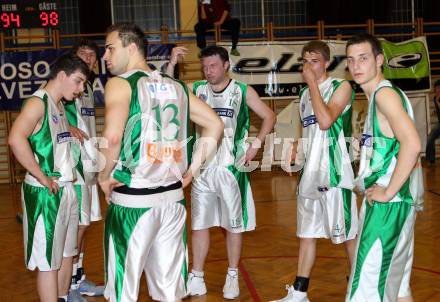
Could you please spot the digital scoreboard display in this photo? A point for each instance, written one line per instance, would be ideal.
(15, 14)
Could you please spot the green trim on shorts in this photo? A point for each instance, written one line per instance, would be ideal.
(119, 223)
(242, 179)
(185, 261)
(384, 222)
(38, 201)
(79, 197)
(347, 199)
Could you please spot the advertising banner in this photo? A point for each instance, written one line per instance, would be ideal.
(274, 68)
(22, 73)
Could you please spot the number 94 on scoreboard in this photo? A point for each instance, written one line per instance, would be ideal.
(16, 14)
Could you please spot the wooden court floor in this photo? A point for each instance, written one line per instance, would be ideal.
(269, 253)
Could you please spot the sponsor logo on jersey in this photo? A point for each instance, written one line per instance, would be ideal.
(63, 137)
(87, 111)
(322, 189)
(203, 97)
(55, 118)
(309, 120)
(226, 112)
(162, 91)
(158, 153)
(366, 140)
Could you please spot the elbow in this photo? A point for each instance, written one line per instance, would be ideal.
(324, 126)
(112, 140)
(13, 141)
(417, 147)
(413, 147)
(326, 121)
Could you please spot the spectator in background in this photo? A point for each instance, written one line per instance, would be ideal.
(213, 13)
(435, 131)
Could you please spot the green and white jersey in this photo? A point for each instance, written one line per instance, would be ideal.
(230, 105)
(379, 155)
(326, 152)
(81, 114)
(51, 144)
(155, 148)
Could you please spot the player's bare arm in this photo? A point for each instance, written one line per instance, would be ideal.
(394, 121)
(117, 102)
(29, 121)
(177, 55)
(266, 114)
(327, 114)
(211, 131)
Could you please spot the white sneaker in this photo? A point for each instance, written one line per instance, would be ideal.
(231, 289)
(293, 296)
(196, 285)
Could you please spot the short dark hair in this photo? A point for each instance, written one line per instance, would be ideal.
(129, 33)
(87, 44)
(215, 50)
(317, 46)
(366, 38)
(69, 63)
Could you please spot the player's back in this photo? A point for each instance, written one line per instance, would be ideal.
(155, 147)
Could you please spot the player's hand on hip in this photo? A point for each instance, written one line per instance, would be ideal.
(107, 187)
(50, 183)
(250, 154)
(78, 133)
(377, 193)
(187, 178)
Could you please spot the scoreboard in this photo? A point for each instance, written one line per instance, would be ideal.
(16, 14)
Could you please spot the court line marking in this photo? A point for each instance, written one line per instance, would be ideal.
(250, 285)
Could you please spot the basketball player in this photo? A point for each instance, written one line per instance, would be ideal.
(326, 204)
(40, 140)
(81, 116)
(147, 117)
(390, 175)
(222, 195)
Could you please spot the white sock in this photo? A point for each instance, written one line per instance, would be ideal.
(63, 297)
(197, 273)
(299, 294)
(80, 260)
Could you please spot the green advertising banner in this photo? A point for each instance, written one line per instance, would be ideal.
(407, 64)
